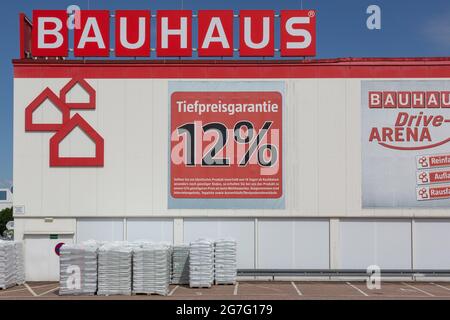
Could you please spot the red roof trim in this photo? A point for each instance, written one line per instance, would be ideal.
(383, 60)
(76, 121)
(201, 69)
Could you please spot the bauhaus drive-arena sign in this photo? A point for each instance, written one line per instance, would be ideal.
(174, 33)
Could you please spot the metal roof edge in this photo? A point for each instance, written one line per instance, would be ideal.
(309, 62)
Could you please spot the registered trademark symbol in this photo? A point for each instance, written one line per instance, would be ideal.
(311, 13)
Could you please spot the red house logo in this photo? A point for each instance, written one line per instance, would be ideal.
(49, 95)
(76, 121)
(67, 125)
(86, 87)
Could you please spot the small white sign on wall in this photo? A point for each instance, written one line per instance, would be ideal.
(18, 210)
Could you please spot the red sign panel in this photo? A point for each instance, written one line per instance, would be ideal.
(433, 177)
(409, 99)
(226, 145)
(433, 192)
(49, 33)
(433, 161)
(298, 33)
(174, 37)
(132, 33)
(92, 38)
(256, 33)
(215, 33)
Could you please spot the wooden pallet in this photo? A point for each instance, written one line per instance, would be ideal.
(11, 286)
(78, 295)
(147, 294)
(112, 295)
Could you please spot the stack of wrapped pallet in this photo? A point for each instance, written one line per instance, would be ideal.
(114, 269)
(180, 264)
(78, 269)
(7, 264)
(20, 266)
(151, 269)
(225, 265)
(201, 264)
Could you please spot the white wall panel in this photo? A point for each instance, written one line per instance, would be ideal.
(386, 243)
(158, 125)
(84, 147)
(322, 179)
(83, 181)
(432, 244)
(28, 153)
(300, 150)
(353, 148)
(242, 230)
(56, 183)
(331, 145)
(139, 184)
(150, 229)
(77, 95)
(322, 160)
(100, 229)
(47, 113)
(111, 125)
(293, 244)
(83, 191)
(55, 187)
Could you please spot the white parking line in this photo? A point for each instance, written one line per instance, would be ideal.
(15, 290)
(173, 290)
(22, 289)
(30, 290)
(296, 289)
(358, 289)
(420, 290)
(48, 291)
(438, 285)
(236, 286)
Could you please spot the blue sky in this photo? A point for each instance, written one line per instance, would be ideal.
(410, 28)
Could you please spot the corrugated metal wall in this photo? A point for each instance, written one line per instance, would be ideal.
(322, 154)
(288, 243)
(127, 198)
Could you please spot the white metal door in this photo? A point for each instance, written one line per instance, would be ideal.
(41, 261)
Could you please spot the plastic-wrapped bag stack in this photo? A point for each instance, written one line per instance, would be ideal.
(201, 264)
(225, 265)
(151, 269)
(7, 264)
(114, 269)
(76, 258)
(180, 264)
(20, 265)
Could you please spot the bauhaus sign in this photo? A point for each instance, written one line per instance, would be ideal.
(215, 34)
(405, 144)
